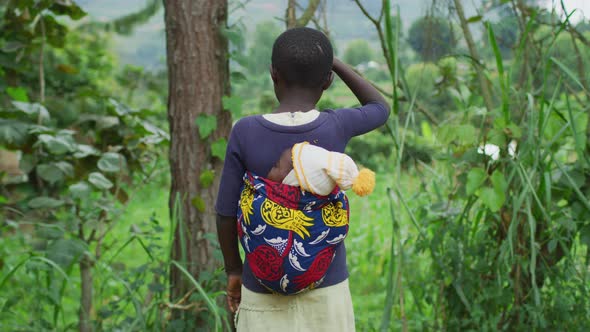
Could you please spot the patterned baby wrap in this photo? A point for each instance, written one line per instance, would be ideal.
(289, 236)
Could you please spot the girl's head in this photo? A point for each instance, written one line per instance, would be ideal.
(302, 58)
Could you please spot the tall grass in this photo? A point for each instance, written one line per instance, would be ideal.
(488, 243)
(131, 279)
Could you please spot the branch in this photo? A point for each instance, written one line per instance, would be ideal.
(290, 14)
(484, 84)
(377, 24)
(308, 13)
(41, 68)
(419, 106)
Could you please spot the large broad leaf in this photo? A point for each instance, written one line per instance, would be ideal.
(207, 124)
(218, 148)
(83, 151)
(55, 172)
(492, 199)
(17, 93)
(499, 182)
(466, 134)
(120, 109)
(68, 7)
(80, 190)
(13, 132)
(111, 162)
(100, 181)
(475, 179)
(44, 202)
(65, 252)
(232, 104)
(57, 145)
(27, 163)
(105, 122)
(34, 109)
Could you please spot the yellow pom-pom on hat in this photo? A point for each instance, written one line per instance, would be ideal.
(318, 170)
(364, 183)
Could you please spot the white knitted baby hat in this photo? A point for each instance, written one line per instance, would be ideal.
(318, 170)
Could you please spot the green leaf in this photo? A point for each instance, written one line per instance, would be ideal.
(206, 178)
(233, 104)
(13, 132)
(513, 130)
(80, 190)
(568, 72)
(55, 172)
(198, 203)
(57, 145)
(17, 93)
(499, 182)
(475, 179)
(45, 202)
(492, 199)
(120, 109)
(218, 148)
(65, 252)
(105, 122)
(68, 7)
(474, 19)
(207, 124)
(111, 162)
(100, 181)
(12, 45)
(49, 231)
(552, 245)
(466, 134)
(83, 151)
(34, 109)
(496, 137)
(585, 235)
(27, 163)
(237, 76)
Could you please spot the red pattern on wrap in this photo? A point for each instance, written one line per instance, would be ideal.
(266, 263)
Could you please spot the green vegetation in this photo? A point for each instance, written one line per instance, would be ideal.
(357, 52)
(480, 220)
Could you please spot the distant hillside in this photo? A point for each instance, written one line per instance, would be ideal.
(146, 47)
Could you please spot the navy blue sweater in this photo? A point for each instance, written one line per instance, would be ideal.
(255, 144)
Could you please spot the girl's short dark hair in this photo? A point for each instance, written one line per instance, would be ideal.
(303, 57)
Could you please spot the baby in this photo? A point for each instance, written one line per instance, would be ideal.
(318, 171)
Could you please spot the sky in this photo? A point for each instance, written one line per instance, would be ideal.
(582, 7)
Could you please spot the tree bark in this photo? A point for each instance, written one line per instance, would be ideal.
(84, 322)
(197, 57)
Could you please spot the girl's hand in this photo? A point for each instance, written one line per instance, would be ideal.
(234, 291)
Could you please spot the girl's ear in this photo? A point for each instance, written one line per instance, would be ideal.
(329, 81)
(274, 75)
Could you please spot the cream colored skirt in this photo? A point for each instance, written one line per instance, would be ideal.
(322, 309)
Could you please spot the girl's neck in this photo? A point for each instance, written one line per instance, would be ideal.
(285, 107)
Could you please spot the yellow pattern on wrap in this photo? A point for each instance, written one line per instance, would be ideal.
(246, 201)
(284, 218)
(334, 215)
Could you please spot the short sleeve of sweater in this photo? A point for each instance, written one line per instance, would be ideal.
(360, 120)
(232, 174)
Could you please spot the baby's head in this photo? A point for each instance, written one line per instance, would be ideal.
(302, 58)
(281, 168)
(321, 169)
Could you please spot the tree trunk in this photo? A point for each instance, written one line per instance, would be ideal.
(84, 323)
(197, 56)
